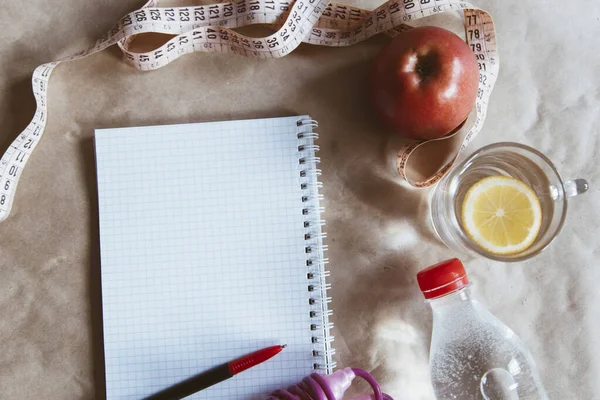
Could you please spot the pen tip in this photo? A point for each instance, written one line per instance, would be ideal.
(283, 346)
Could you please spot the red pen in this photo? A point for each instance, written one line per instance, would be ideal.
(215, 375)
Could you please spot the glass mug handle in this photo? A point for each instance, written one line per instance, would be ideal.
(572, 188)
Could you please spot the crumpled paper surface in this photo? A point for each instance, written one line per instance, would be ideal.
(547, 96)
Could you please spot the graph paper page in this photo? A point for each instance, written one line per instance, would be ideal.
(203, 261)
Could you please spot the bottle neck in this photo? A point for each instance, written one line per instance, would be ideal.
(455, 300)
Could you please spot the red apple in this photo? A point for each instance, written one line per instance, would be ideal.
(424, 82)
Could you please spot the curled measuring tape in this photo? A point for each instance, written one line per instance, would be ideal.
(209, 28)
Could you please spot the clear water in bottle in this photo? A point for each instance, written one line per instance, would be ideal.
(473, 354)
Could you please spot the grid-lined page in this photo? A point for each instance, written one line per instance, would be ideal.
(203, 255)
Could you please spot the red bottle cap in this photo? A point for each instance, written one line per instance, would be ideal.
(442, 278)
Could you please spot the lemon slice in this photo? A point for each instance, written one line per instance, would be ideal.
(502, 215)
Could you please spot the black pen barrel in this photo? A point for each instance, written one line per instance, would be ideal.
(193, 384)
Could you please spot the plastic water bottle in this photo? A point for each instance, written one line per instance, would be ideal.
(473, 354)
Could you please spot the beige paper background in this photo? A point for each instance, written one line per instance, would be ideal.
(547, 96)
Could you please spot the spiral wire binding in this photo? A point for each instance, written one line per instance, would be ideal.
(308, 135)
(315, 261)
(310, 122)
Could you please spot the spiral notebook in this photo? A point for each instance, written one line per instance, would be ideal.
(211, 248)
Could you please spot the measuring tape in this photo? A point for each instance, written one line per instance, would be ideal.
(209, 28)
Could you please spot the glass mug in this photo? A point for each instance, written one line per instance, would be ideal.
(508, 159)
